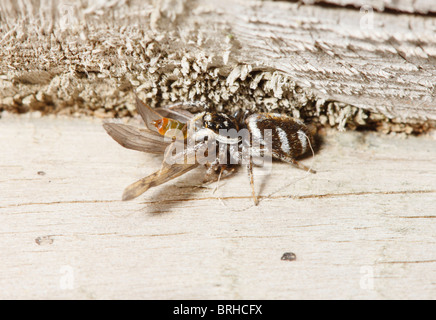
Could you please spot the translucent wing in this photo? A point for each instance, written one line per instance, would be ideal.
(137, 139)
(165, 174)
(147, 114)
(175, 112)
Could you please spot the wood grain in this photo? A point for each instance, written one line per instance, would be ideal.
(379, 61)
(67, 57)
(409, 6)
(362, 227)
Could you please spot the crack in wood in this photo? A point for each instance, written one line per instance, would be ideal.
(310, 196)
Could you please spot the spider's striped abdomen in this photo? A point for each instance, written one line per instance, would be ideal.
(290, 136)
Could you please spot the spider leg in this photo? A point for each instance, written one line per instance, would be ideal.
(293, 162)
(210, 175)
(219, 178)
(251, 176)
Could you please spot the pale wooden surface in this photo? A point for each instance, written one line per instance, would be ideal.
(370, 209)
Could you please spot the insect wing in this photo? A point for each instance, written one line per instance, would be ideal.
(175, 113)
(165, 174)
(137, 139)
(147, 114)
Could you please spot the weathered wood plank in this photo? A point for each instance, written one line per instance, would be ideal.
(410, 6)
(381, 61)
(362, 227)
(253, 54)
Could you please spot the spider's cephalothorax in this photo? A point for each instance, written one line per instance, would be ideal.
(275, 135)
(215, 127)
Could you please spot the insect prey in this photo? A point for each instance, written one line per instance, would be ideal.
(216, 140)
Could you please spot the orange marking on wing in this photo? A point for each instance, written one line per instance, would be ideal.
(161, 125)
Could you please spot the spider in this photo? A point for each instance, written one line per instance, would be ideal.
(216, 140)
